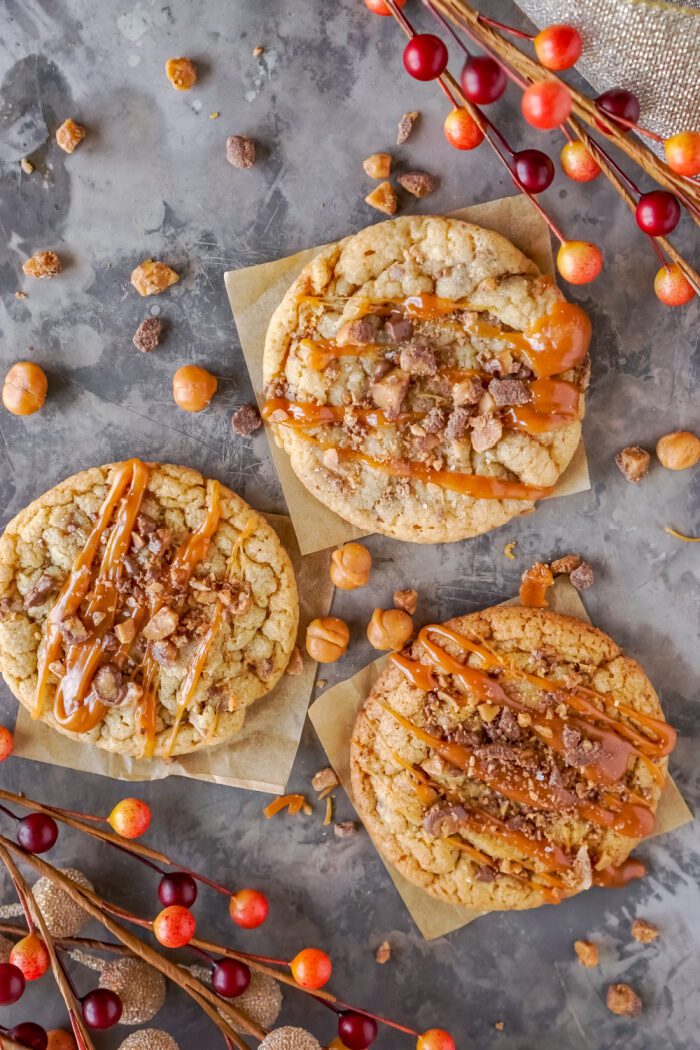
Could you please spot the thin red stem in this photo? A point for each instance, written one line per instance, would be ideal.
(78, 815)
(632, 125)
(9, 813)
(377, 1017)
(506, 29)
(510, 73)
(614, 165)
(660, 255)
(127, 916)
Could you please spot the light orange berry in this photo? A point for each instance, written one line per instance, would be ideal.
(435, 1039)
(672, 287)
(31, 957)
(7, 742)
(175, 926)
(130, 818)
(578, 162)
(311, 968)
(59, 1039)
(683, 152)
(579, 262)
(461, 130)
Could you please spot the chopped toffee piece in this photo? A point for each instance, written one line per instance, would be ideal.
(245, 420)
(407, 600)
(418, 183)
(398, 327)
(43, 265)
(44, 586)
(388, 393)
(418, 359)
(582, 576)
(383, 953)
(644, 932)
(566, 564)
(378, 165)
(623, 1000)
(325, 778)
(506, 392)
(108, 685)
(587, 952)
(296, 662)
(162, 624)
(406, 126)
(383, 198)
(633, 462)
(70, 135)
(345, 829)
(74, 630)
(487, 431)
(240, 151)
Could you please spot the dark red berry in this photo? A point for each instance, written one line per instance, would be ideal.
(29, 1034)
(618, 103)
(657, 213)
(425, 57)
(356, 1031)
(12, 984)
(177, 888)
(483, 80)
(230, 978)
(102, 1008)
(37, 832)
(534, 169)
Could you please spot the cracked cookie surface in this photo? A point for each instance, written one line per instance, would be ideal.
(236, 612)
(438, 393)
(451, 822)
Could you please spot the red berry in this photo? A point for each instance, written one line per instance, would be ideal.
(618, 103)
(37, 832)
(546, 104)
(174, 927)
(102, 1008)
(483, 79)
(579, 261)
(378, 7)
(534, 169)
(248, 908)
(31, 957)
(558, 46)
(357, 1031)
(130, 818)
(657, 213)
(435, 1039)
(425, 57)
(461, 130)
(672, 287)
(579, 163)
(311, 968)
(230, 978)
(30, 1035)
(177, 887)
(6, 743)
(12, 984)
(683, 153)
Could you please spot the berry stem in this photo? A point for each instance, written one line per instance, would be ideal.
(633, 126)
(340, 1007)
(510, 73)
(506, 29)
(9, 813)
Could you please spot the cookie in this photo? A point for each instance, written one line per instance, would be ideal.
(425, 379)
(510, 758)
(143, 608)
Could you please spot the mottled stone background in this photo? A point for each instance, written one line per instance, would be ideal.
(152, 179)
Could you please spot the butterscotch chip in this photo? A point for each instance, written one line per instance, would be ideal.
(418, 183)
(181, 72)
(383, 953)
(588, 953)
(633, 462)
(152, 277)
(644, 932)
(240, 151)
(324, 779)
(26, 166)
(148, 334)
(70, 135)
(42, 264)
(406, 125)
(406, 600)
(623, 1000)
(566, 565)
(383, 198)
(378, 165)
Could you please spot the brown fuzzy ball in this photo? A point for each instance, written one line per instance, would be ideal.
(149, 1039)
(63, 916)
(289, 1038)
(140, 987)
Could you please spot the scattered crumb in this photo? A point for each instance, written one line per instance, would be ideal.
(681, 535)
(345, 829)
(321, 683)
(406, 126)
(26, 166)
(418, 183)
(566, 564)
(623, 1001)
(296, 662)
(258, 51)
(383, 199)
(383, 953)
(148, 334)
(509, 549)
(42, 265)
(377, 166)
(633, 462)
(20, 295)
(582, 577)
(240, 151)
(214, 115)
(407, 600)
(488, 711)
(324, 779)
(499, 1026)
(588, 953)
(245, 420)
(644, 932)
(70, 135)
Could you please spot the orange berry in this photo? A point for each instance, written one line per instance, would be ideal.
(461, 130)
(378, 7)
(578, 162)
(683, 152)
(546, 104)
(311, 968)
(248, 908)
(558, 46)
(60, 1040)
(7, 742)
(174, 926)
(579, 261)
(672, 287)
(130, 818)
(435, 1039)
(31, 957)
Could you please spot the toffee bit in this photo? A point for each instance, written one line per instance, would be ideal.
(644, 932)
(623, 1001)
(633, 462)
(383, 953)
(329, 812)
(406, 126)
(582, 577)
(509, 550)
(499, 1026)
(325, 778)
(587, 952)
(407, 600)
(680, 535)
(345, 829)
(245, 420)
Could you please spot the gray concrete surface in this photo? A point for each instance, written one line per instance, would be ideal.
(152, 179)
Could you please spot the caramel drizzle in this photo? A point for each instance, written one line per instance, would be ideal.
(306, 414)
(477, 486)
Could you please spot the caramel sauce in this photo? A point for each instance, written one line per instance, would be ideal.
(555, 403)
(320, 352)
(418, 674)
(534, 586)
(620, 875)
(475, 485)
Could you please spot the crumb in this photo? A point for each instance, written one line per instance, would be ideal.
(644, 932)
(566, 565)
(325, 778)
(345, 829)
(321, 683)
(214, 115)
(70, 135)
(245, 420)
(588, 953)
(151, 277)
(406, 127)
(582, 577)
(20, 295)
(633, 462)
(148, 334)
(43, 265)
(258, 51)
(499, 1026)
(407, 600)
(383, 953)
(509, 550)
(296, 662)
(240, 151)
(383, 198)
(623, 1001)
(26, 166)
(418, 183)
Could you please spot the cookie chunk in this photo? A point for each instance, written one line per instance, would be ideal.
(144, 608)
(498, 780)
(406, 320)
